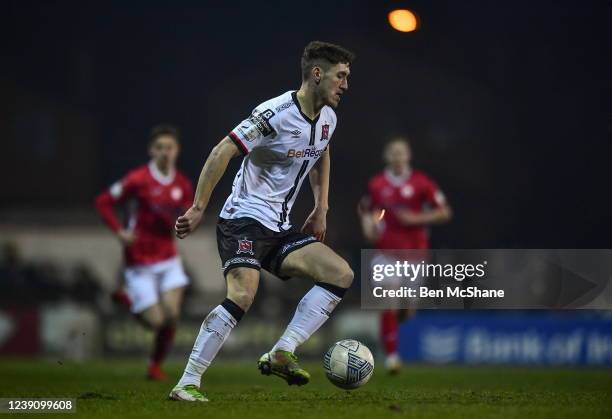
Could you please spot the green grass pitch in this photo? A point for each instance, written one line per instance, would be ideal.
(109, 389)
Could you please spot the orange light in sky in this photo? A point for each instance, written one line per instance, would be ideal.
(403, 20)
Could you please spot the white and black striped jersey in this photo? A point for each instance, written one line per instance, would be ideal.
(281, 145)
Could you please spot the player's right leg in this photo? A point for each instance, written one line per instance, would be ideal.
(141, 287)
(390, 321)
(389, 337)
(154, 318)
(242, 283)
(162, 318)
(172, 282)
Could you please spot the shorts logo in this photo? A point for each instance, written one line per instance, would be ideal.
(239, 259)
(245, 246)
(309, 239)
(324, 132)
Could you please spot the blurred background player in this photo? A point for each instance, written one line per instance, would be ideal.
(154, 275)
(401, 203)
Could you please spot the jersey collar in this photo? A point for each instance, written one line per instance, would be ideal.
(159, 176)
(396, 180)
(297, 103)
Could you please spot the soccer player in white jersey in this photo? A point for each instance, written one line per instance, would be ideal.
(283, 140)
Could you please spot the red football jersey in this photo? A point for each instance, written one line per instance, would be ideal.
(159, 201)
(413, 191)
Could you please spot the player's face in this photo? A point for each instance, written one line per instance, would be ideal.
(398, 155)
(334, 82)
(164, 151)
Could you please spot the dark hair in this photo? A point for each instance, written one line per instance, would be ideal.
(161, 130)
(324, 51)
(397, 139)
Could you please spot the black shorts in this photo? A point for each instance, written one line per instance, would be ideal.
(248, 243)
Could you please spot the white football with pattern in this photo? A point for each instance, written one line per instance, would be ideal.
(348, 364)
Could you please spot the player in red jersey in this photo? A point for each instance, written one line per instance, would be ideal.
(154, 276)
(401, 203)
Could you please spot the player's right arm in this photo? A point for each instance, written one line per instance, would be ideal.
(215, 166)
(369, 219)
(105, 205)
(247, 135)
(369, 214)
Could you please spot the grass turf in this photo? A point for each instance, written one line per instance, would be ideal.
(107, 389)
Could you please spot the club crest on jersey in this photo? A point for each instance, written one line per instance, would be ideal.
(245, 246)
(407, 191)
(324, 132)
(176, 193)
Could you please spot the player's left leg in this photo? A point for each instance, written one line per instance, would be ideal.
(332, 276)
(120, 297)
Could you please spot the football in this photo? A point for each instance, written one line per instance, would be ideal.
(348, 364)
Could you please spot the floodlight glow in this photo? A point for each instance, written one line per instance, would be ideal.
(403, 20)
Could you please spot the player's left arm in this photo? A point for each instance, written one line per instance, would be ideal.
(316, 223)
(439, 213)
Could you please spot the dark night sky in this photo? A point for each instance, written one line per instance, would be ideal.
(507, 103)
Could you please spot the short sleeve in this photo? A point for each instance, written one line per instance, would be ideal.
(251, 132)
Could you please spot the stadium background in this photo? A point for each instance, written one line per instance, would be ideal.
(506, 105)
